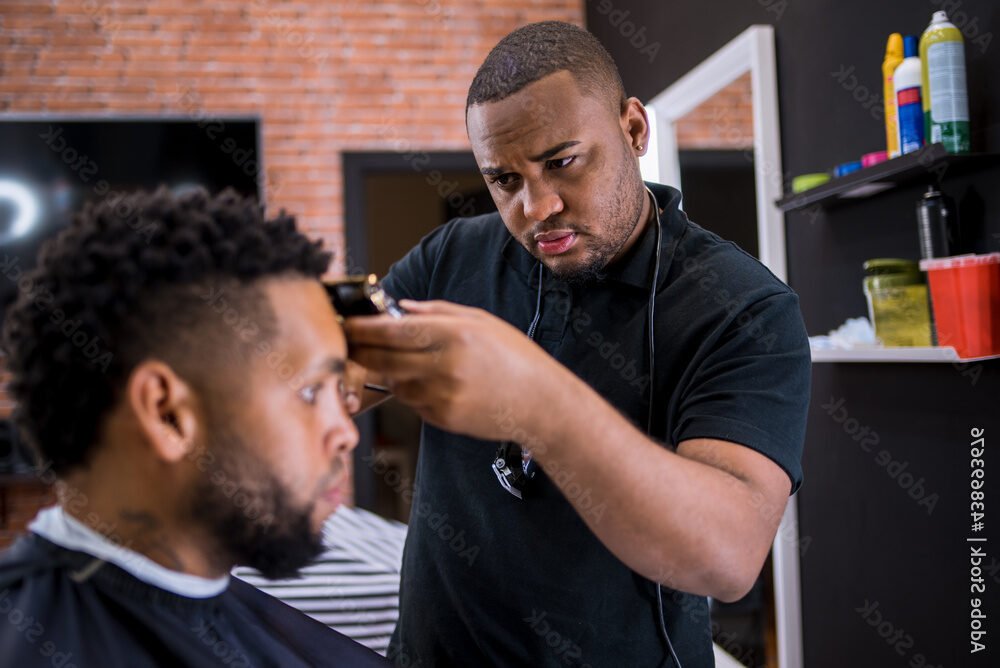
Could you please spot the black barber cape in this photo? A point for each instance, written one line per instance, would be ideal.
(491, 580)
(65, 609)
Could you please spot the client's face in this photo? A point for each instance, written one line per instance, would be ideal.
(278, 461)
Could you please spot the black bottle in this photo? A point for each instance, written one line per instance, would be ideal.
(935, 224)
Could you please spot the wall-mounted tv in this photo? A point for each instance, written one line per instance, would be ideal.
(51, 166)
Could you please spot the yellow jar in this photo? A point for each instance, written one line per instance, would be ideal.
(898, 306)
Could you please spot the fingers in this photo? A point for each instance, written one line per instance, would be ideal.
(439, 307)
(352, 402)
(413, 393)
(396, 365)
(419, 396)
(410, 332)
(354, 375)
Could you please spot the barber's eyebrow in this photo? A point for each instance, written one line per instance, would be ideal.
(541, 157)
(555, 150)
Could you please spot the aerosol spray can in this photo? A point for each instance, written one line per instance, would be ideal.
(945, 94)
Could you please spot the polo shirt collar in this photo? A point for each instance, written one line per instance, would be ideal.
(635, 268)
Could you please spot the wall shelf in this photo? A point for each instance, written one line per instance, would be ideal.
(930, 162)
(901, 354)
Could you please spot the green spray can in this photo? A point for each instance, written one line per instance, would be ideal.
(945, 92)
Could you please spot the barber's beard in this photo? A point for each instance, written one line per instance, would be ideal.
(249, 514)
(617, 219)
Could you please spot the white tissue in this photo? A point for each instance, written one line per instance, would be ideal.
(854, 333)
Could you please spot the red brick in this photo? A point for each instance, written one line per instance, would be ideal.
(324, 77)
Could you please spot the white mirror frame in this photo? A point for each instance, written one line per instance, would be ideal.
(753, 51)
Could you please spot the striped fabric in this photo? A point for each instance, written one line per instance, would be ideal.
(354, 586)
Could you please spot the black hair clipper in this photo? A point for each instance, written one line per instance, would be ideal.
(361, 295)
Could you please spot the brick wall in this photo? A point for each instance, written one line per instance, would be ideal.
(724, 121)
(325, 77)
(19, 502)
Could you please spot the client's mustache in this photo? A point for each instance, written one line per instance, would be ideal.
(337, 467)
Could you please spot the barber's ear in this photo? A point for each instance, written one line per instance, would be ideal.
(163, 405)
(635, 125)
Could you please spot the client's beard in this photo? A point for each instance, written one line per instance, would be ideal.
(249, 514)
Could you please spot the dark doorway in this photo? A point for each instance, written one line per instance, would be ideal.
(391, 201)
(720, 195)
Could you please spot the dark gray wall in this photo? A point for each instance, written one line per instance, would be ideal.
(867, 540)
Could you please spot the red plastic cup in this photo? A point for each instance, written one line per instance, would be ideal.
(965, 295)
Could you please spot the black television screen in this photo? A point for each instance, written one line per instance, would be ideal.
(50, 167)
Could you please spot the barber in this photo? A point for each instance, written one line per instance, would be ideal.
(642, 383)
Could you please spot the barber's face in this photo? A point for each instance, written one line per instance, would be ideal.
(561, 166)
(285, 449)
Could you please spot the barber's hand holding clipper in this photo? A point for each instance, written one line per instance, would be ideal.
(461, 369)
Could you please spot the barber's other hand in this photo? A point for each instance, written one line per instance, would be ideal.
(461, 368)
(354, 386)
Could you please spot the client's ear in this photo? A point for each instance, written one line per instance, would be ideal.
(163, 405)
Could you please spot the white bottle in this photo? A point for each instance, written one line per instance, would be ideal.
(909, 110)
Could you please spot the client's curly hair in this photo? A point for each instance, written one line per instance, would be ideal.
(129, 279)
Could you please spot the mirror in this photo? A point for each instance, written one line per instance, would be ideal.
(750, 54)
(715, 154)
(717, 127)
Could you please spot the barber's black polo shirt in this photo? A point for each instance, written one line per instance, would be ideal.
(492, 580)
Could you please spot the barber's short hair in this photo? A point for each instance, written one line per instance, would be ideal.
(136, 277)
(537, 50)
